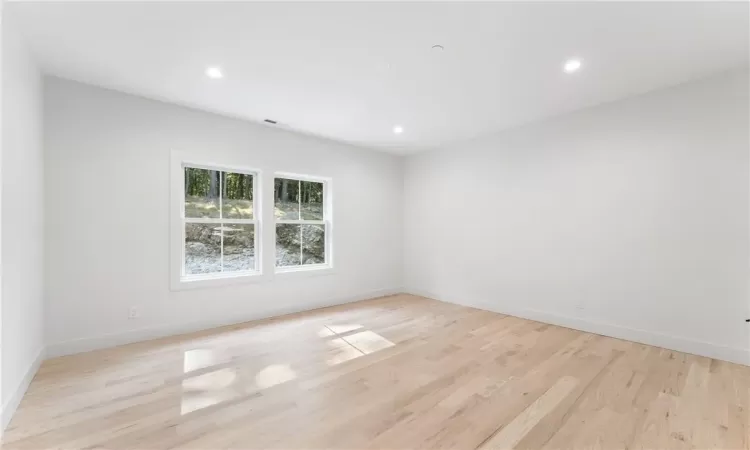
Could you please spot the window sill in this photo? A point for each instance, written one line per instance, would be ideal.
(209, 281)
(304, 271)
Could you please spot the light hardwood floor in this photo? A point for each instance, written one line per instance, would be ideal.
(393, 373)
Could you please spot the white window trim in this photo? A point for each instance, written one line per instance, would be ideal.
(327, 222)
(179, 281)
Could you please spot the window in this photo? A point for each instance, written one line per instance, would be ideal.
(303, 227)
(219, 223)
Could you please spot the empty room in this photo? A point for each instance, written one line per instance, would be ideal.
(375, 225)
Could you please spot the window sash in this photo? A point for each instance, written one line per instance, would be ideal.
(222, 273)
(326, 256)
(300, 179)
(221, 170)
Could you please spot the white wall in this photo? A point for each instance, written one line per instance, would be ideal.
(107, 158)
(22, 218)
(628, 219)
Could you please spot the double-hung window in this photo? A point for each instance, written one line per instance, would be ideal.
(303, 222)
(220, 223)
(217, 224)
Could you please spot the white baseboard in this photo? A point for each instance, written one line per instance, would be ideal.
(9, 407)
(113, 340)
(680, 344)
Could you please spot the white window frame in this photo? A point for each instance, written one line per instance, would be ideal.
(327, 222)
(180, 280)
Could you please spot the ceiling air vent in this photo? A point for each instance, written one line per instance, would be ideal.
(272, 122)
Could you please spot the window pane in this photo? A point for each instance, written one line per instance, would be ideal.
(201, 193)
(239, 247)
(202, 248)
(237, 195)
(311, 194)
(313, 244)
(287, 245)
(286, 199)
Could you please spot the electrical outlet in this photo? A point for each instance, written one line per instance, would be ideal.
(134, 312)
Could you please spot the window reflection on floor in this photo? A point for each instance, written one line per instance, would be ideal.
(221, 385)
(369, 341)
(273, 375)
(208, 389)
(345, 328)
(343, 341)
(342, 351)
(352, 345)
(198, 359)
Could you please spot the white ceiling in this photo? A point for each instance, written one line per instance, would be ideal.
(351, 71)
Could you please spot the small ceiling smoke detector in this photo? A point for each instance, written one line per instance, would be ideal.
(398, 129)
(572, 65)
(214, 73)
(438, 48)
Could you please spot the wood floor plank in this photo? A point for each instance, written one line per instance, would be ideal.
(396, 372)
(510, 435)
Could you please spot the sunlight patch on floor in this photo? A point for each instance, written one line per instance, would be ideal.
(273, 375)
(198, 358)
(351, 346)
(344, 341)
(222, 385)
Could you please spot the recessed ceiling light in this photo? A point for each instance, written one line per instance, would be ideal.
(398, 129)
(438, 48)
(572, 65)
(214, 73)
